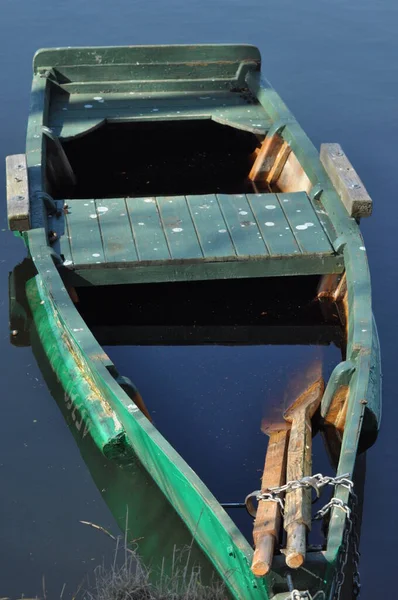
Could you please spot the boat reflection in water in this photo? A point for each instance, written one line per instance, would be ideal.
(133, 498)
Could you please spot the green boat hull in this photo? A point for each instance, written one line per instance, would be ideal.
(97, 403)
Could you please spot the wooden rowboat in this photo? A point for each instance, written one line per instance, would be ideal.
(179, 168)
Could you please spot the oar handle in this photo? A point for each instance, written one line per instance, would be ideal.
(268, 516)
(263, 554)
(297, 518)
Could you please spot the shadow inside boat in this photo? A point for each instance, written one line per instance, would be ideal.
(275, 310)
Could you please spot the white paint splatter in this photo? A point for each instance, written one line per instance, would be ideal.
(86, 204)
(362, 248)
(96, 255)
(243, 212)
(269, 223)
(93, 216)
(78, 329)
(98, 98)
(102, 209)
(285, 200)
(177, 229)
(140, 223)
(364, 330)
(222, 231)
(304, 226)
(67, 262)
(148, 200)
(270, 206)
(88, 106)
(298, 210)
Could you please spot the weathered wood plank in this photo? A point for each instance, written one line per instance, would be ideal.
(273, 224)
(346, 181)
(210, 226)
(305, 223)
(297, 517)
(148, 71)
(148, 232)
(199, 270)
(117, 237)
(178, 227)
(84, 232)
(268, 518)
(17, 193)
(108, 55)
(242, 225)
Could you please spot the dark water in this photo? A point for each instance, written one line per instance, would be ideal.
(334, 63)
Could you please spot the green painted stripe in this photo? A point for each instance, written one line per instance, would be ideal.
(210, 226)
(178, 227)
(304, 222)
(273, 224)
(114, 224)
(148, 232)
(242, 225)
(85, 236)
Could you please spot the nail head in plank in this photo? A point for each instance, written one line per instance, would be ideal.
(346, 181)
(273, 224)
(17, 193)
(148, 232)
(210, 226)
(242, 225)
(114, 224)
(178, 227)
(85, 236)
(304, 223)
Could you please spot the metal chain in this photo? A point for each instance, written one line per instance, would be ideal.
(350, 535)
(315, 482)
(296, 595)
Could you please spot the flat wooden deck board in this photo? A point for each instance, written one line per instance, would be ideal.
(210, 226)
(241, 223)
(116, 233)
(273, 225)
(178, 227)
(189, 231)
(74, 114)
(84, 232)
(147, 229)
(304, 223)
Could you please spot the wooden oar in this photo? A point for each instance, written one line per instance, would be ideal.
(268, 517)
(297, 518)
